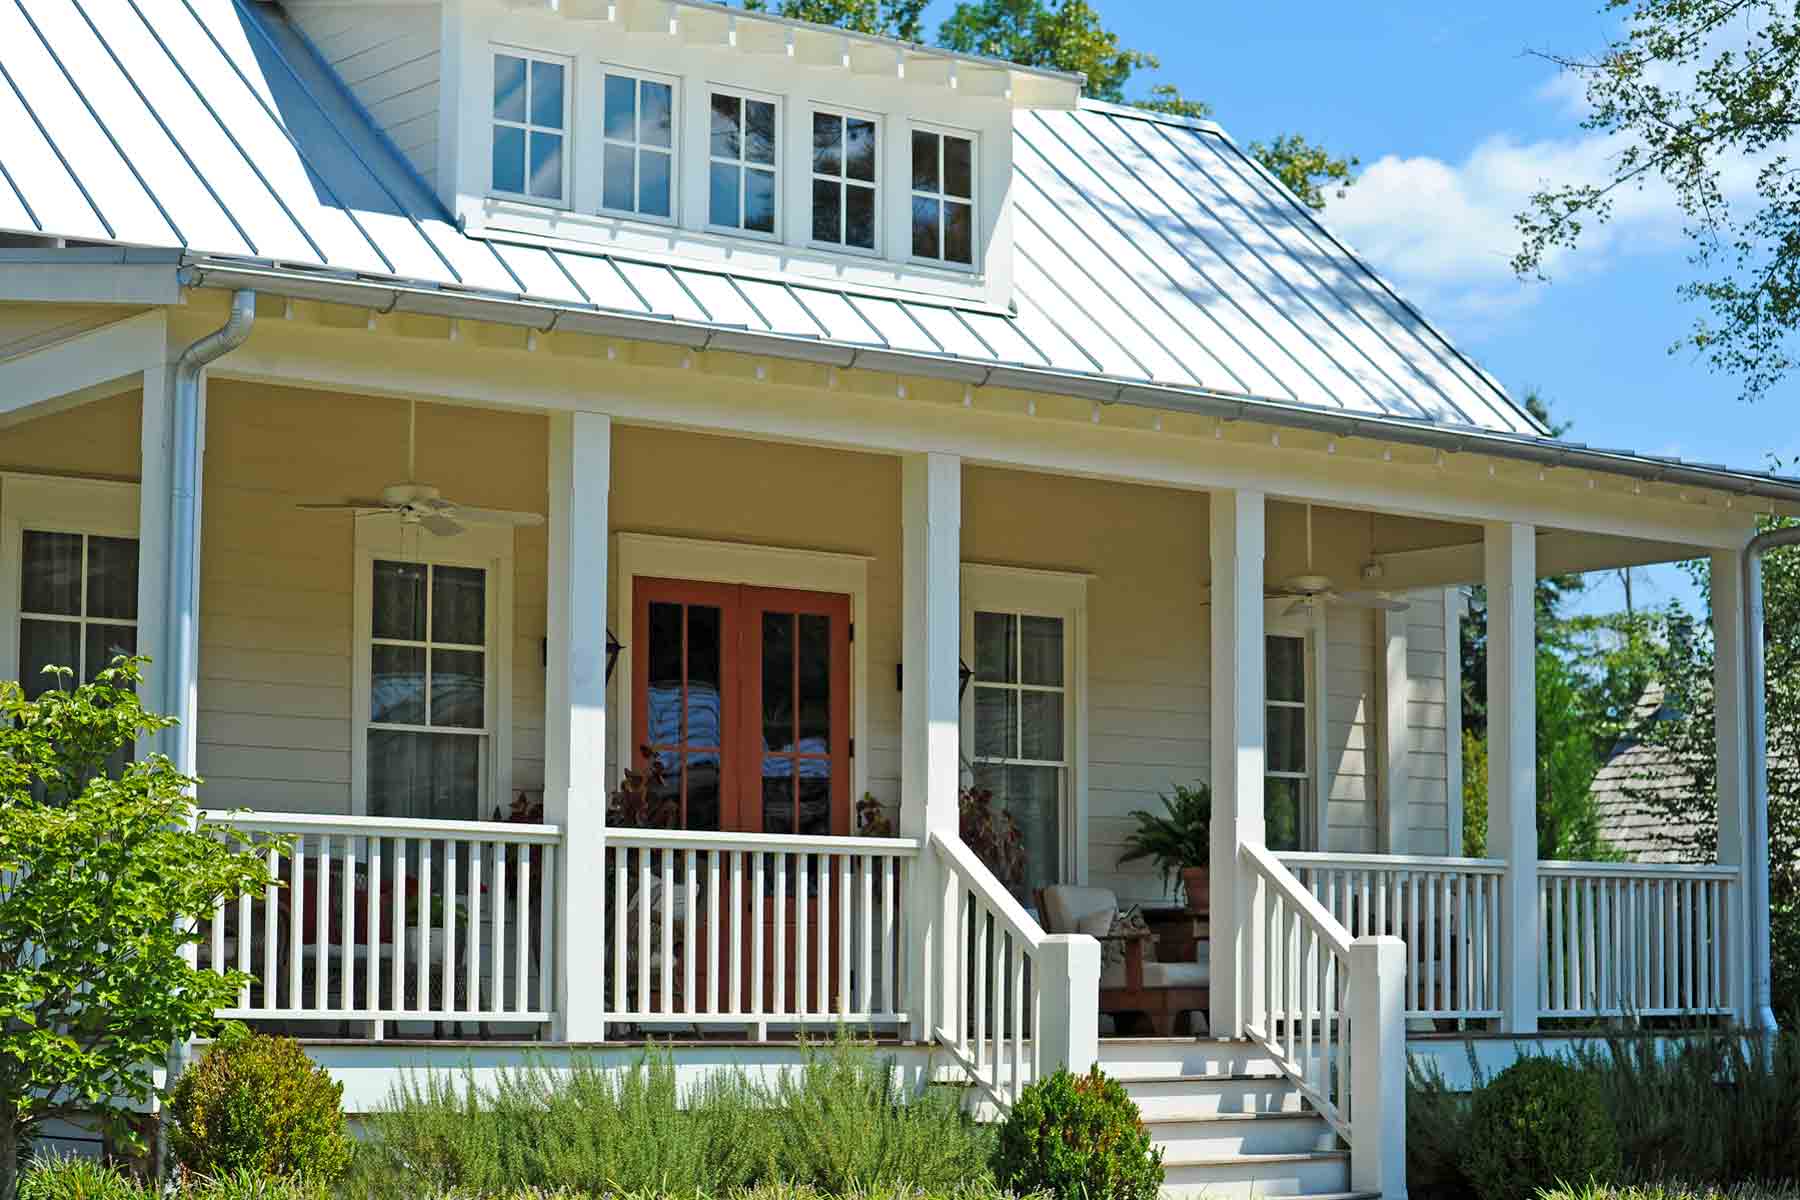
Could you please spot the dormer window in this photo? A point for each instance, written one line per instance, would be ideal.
(943, 197)
(844, 199)
(639, 133)
(742, 178)
(531, 116)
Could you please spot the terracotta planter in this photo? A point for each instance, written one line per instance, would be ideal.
(1195, 881)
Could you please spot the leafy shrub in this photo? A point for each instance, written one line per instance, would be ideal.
(59, 1177)
(1673, 1191)
(1437, 1133)
(257, 1103)
(1077, 1138)
(1540, 1123)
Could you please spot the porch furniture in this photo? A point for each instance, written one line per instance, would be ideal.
(1179, 933)
(1132, 983)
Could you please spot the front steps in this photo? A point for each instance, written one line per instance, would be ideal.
(1228, 1121)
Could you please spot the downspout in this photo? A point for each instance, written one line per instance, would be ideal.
(189, 437)
(1756, 864)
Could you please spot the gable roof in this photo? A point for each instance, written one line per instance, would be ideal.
(1155, 262)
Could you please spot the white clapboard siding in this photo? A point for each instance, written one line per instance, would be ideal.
(389, 58)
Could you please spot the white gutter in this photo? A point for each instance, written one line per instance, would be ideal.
(1756, 865)
(1226, 406)
(189, 435)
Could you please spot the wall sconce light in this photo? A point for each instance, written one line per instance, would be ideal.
(612, 653)
(963, 674)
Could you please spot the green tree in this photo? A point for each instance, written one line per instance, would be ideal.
(1699, 98)
(103, 876)
(901, 19)
(1062, 35)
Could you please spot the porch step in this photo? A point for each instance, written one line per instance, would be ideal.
(1314, 1174)
(1222, 1135)
(1190, 1097)
(1133, 1058)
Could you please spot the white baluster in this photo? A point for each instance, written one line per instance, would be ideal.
(690, 931)
(736, 947)
(448, 971)
(501, 925)
(422, 968)
(397, 977)
(758, 970)
(667, 904)
(714, 880)
(782, 925)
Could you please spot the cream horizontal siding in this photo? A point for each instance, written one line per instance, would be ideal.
(1351, 770)
(1428, 806)
(389, 56)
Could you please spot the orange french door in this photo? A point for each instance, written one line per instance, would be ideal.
(742, 695)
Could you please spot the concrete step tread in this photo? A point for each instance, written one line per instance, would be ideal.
(1257, 1160)
(1222, 1077)
(1302, 1114)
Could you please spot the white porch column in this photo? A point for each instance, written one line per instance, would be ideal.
(1731, 730)
(1395, 744)
(575, 712)
(156, 499)
(1510, 560)
(930, 771)
(1238, 751)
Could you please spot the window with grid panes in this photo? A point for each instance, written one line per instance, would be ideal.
(77, 604)
(943, 197)
(529, 123)
(1287, 779)
(843, 180)
(741, 167)
(638, 155)
(429, 731)
(1021, 708)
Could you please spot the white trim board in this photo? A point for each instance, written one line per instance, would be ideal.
(656, 556)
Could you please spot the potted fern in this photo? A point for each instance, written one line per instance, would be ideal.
(1178, 841)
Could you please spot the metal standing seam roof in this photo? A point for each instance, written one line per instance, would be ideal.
(1147, 251)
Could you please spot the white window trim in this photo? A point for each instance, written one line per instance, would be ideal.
(490, 548)
(1042, 593)
(1310, 625)
(744, 165)
(676, 100)
(847, 113)
(974, 139)
(565, 199)
(97, 508)
(654, 556)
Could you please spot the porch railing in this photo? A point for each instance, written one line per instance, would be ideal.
(753, 930)
(1447, 910)
(1636, 939)
(374, 920)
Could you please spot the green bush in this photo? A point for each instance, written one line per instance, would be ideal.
(1540, 1123)
(59, 1177)
(1077, 1138)
(259, 1104)
(841, 1125)
(1437, 1133)
(1672, 1191)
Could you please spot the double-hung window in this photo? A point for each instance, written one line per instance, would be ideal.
(638, 132)
(1287, 777)
(844, 154)
(77, 604)
(531, 117)
(430, 715)
(943, 197)
(742, 163)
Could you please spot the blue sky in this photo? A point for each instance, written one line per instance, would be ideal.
(1455, 121)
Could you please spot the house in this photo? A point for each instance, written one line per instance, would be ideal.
(453, 398)
(1631, 784)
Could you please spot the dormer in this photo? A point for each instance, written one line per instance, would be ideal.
(684, 130)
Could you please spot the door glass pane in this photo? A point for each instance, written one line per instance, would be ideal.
(705, 703)
(458, 688)
(458, 607)
(1281, 813)
(399, 601)
(1042, 719)
(46, 644)
(815, 798)
(105, 643)
(434, 776)
(703, 791)
(778, 681)
(1287, 739)
(112, 577)
(1285, 664)
(397, 685)
(663, 705)
(1041, 650)
(815, 683)
(51, 574)
(1033, 796)
(778, 794)
(996, 723)
(994, 647)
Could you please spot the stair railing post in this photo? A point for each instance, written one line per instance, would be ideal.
(1377, 1012)
(1069, 1027)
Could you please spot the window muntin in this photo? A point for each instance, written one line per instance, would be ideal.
(741, 178)
(1021, 721)
(943, 197)
(530, 118)
(1287, 777)
(429, 709)
(637, 146)
(845, 196)
(77, 604)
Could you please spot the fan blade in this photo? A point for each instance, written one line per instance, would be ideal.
(1374, 600)
(496, 516)
(347, 506)
(1303, 604)
(439, 524)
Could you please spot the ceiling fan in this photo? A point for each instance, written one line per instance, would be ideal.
(1307, 588)
(421, 504)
